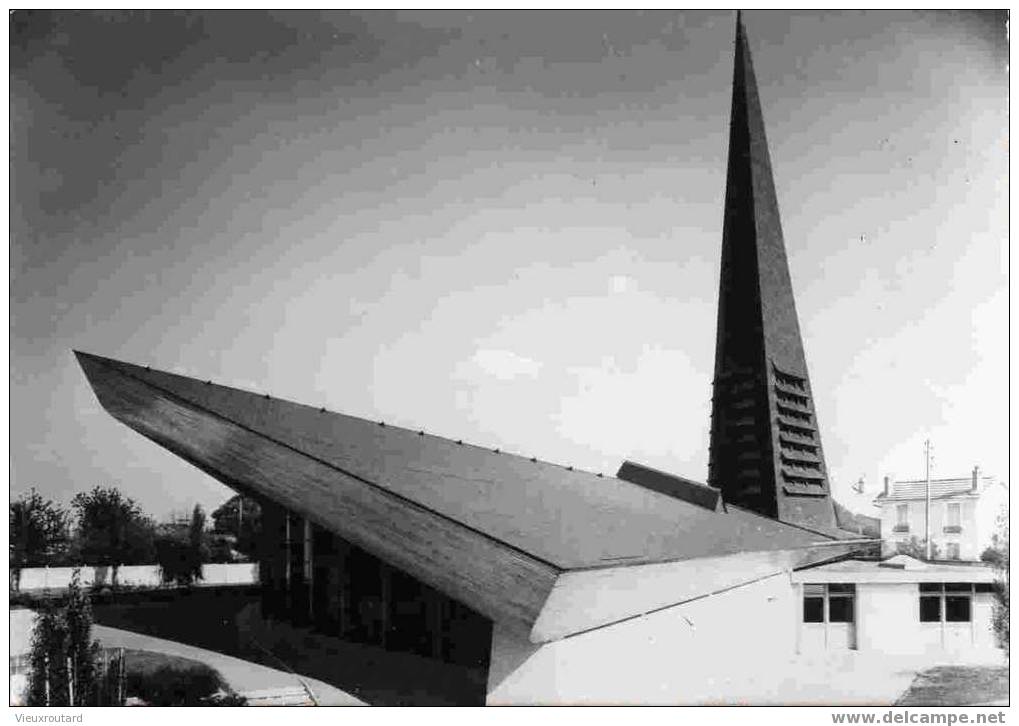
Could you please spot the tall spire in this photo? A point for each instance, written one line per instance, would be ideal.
(765, 443)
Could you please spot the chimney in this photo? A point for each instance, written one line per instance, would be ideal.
(976, 479)
(888, 486)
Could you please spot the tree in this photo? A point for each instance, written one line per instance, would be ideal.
(859, 523)
(240, 517)
(176, 559)
(180, 555)
(915, 548)
(47, 679)
(38, 531)
(112, 529)
(997, 556)
(63, 656)
(196, 532)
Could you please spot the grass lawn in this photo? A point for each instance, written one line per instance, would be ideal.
(957, 686)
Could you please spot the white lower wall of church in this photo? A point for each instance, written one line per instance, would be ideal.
(888, 621)
(692, 653)
(713, 649)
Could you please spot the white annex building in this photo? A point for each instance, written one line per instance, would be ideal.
(815, 625)
(899, 605)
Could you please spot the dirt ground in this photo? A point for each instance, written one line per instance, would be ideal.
(957, 686)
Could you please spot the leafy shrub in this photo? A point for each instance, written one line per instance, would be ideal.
(997, 555)
(164, 680)
(168, 686)
(915, 547)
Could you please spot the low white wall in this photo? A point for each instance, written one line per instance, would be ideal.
(55, 578)
(59, 578)
(240, 573)
(698, 652)
(139, 576)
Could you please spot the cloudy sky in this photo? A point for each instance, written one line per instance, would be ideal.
(501, 227)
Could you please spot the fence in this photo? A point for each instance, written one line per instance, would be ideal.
(59, 578)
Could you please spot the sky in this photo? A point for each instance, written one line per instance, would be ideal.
(502, 227)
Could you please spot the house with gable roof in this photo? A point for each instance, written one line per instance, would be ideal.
(964, 511)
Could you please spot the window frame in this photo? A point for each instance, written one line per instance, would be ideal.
(901, 513)
(842, 592)
(814, 601)
(901, 517)
(941, 593)
(951, 507)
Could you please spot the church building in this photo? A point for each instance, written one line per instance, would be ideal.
(550, 584)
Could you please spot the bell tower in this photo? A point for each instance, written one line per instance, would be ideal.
(766, 450)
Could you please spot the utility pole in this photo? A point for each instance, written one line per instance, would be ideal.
(927, 500)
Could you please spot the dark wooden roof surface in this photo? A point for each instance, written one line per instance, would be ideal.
(568, 518)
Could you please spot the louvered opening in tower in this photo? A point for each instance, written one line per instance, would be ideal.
(793, 430)
(799, 463)
(802, 470)
(797, 446)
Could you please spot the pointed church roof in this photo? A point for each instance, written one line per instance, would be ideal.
(765, 442)
(754, 236)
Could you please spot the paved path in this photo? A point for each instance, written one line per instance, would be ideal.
(241, 675)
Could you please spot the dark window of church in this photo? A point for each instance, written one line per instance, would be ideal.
(930, 608)
(813, 609)
(957, 608)
(951, 599)
(831, 602)
(840, 610)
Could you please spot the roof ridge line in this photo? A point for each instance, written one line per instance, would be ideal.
(416, 432)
